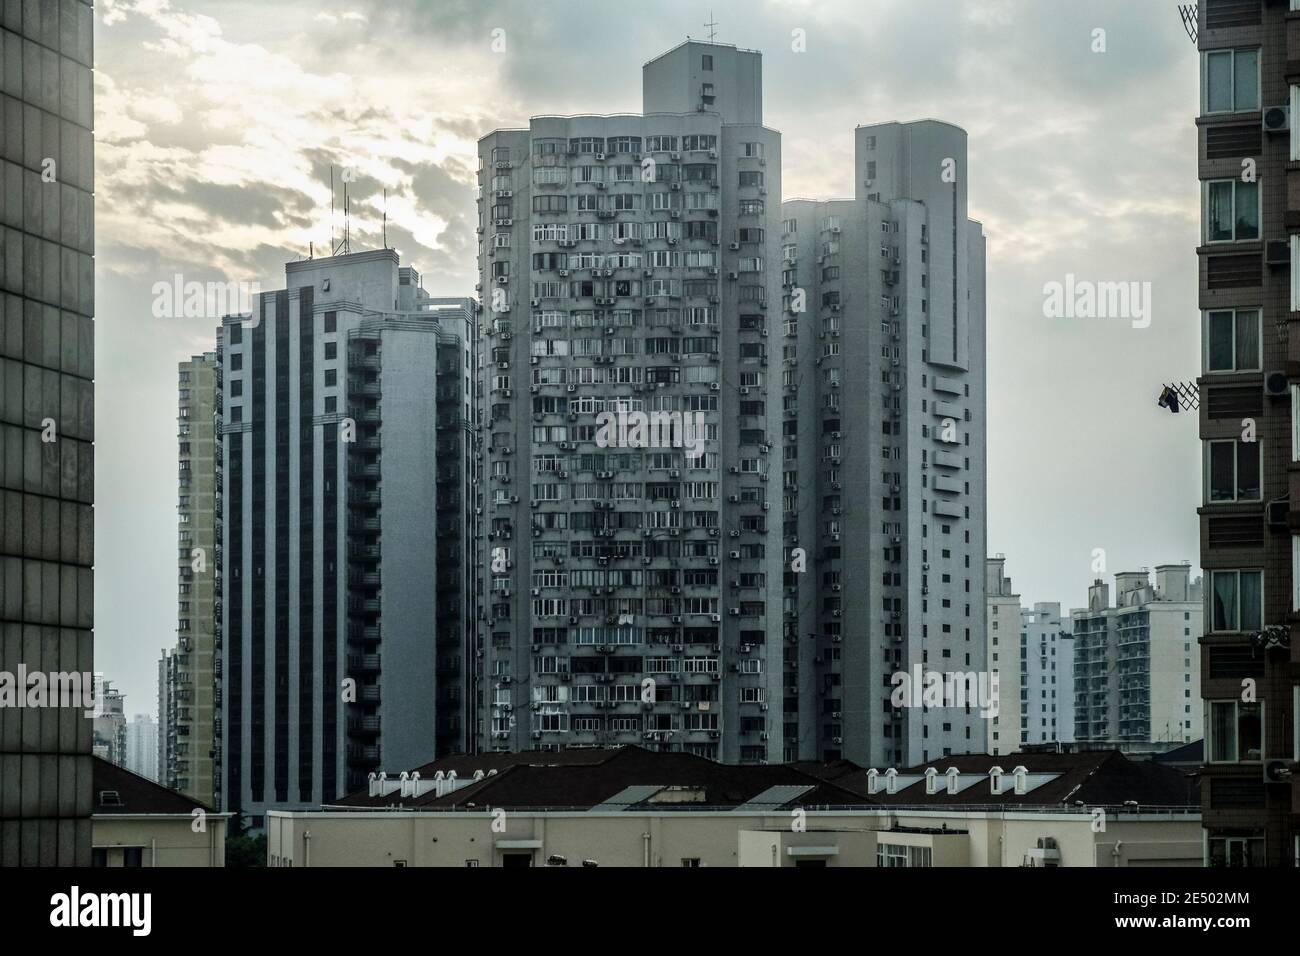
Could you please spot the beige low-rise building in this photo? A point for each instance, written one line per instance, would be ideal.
(136, 822)
(629, 807)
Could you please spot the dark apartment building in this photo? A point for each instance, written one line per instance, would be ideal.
(344, 630)
(1249, 167)
(47, 354)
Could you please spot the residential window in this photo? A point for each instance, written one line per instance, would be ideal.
(1230, 81)
(1231, 210)
(1237, 600)
(1236, 731)
(1232, 339)
(1233, 471)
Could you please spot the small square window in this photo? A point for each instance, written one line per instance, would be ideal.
(331, 377)
(331, 350)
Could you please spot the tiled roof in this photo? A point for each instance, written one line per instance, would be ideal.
(633, 778)
(118, 790)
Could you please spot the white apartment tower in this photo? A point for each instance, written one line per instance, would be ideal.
(1046, 676)
(1002, 733)
(1136, 670)
(882, 402)
(629, 268)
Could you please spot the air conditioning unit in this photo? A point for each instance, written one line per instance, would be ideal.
(1277, 119)
(1276, 385)
(1277, 513)
(1277, 252)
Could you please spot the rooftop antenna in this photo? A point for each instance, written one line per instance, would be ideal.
(331, 209)
(711, 24)
(385, 218)
(1188, 13)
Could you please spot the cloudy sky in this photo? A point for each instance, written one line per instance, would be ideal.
(218, 120)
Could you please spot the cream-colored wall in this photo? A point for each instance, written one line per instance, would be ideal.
(617, 839)
(168, 840)
(761, 847)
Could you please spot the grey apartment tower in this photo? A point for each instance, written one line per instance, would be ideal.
(345, 624)
(882, 402)
(630, 551)
(47, 353)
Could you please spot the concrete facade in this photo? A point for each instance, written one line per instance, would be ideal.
(729, 838)
(346, 513)
(628, 263)
(190, 737)
(1249, 290)
(47, 367)
(1003, 732)
(883, 389)
(1135, 666)
(1046, 675)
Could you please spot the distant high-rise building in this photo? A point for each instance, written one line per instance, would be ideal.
(47, 367)
(191, 721)
(631, 551)
(110, 725)
(347, 517)
(1046, 691)
(1135, 664)
(166, 707)
(1002, 732)
(1249, 284)
(142, 746)
(882, 405)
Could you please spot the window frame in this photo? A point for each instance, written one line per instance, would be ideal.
(1205, 78)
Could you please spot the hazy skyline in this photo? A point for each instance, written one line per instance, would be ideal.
(213, 155)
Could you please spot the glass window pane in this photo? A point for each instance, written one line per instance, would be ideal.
(1251, 601)
(1248, 471)
(1223, 737)
(1248, 340)
(1219, 345)
(1247, 211)
(1222, 479)
(1218, 212)
(1225, 600)
(1249, 731)
(1246, 69)
(1218, 81)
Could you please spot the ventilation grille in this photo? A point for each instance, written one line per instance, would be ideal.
(1225, 142)
(1236, 531)
(1234, 272)
(1236, 792)
(1225, 14)
(1235, 661)
(1235, 401)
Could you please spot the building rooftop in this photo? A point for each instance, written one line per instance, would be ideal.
(629, 778)
(118, 790)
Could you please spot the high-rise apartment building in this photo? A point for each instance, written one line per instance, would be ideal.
(1135, 664)
(1046, 676)
(190, 741)
(47, 355)
(1249, 282)
(882, 411)
(165, 706)
(631, 551)
(347, 520)
(1002, 732)
(109, 740)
